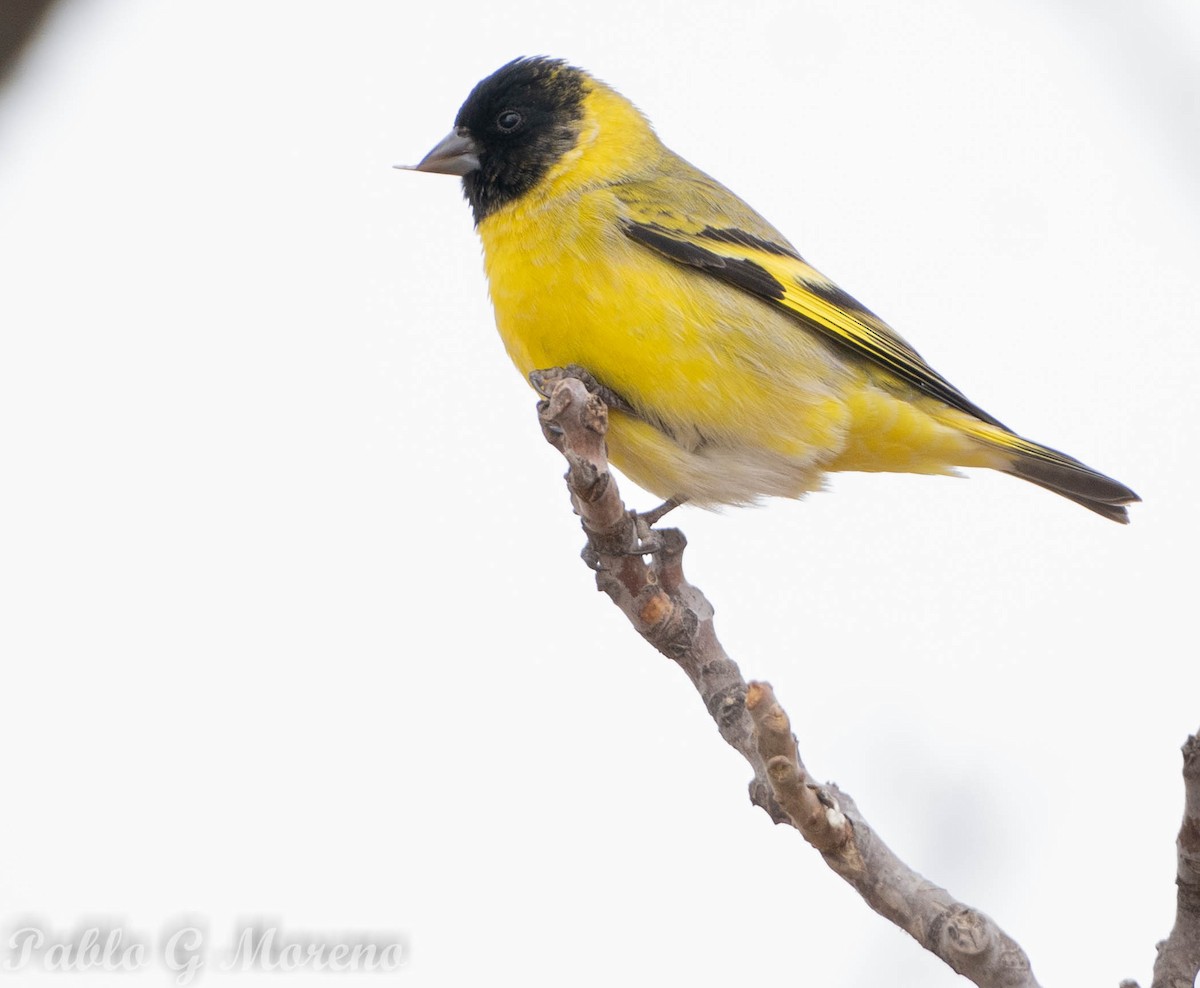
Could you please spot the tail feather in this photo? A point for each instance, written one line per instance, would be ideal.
(1060, 473)
(1055, 471)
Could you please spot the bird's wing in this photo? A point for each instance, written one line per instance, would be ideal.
(694, 221)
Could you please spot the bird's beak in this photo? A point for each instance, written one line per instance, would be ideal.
(455, 154)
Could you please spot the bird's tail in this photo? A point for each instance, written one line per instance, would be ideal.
(1080, 483)
(1058, 472)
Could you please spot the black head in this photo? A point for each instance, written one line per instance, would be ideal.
(513, 127)
(522, 118)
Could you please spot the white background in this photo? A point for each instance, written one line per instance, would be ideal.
(293, 620)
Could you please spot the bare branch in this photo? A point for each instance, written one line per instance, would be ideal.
(970, 942)
(642, 571)
(20, 22)
(1178, 959)
(654, 595)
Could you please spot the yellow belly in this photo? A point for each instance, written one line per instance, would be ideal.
(736, 399)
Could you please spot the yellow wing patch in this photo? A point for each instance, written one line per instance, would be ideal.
(772, 270)
(779, 276)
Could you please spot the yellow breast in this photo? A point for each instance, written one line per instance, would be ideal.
(714, 371)
(736, 399)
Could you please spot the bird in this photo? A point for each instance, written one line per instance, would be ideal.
(733, 370)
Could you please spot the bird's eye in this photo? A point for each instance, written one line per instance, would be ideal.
(508, 121)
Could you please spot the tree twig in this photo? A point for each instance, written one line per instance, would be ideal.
(1178, 958)
(20, 21)
(642, 571)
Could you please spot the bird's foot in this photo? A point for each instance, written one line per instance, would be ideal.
(646, 540)
(649, 541)
(543, 382)
(655, 515)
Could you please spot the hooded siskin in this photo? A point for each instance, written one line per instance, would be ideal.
(734, 370)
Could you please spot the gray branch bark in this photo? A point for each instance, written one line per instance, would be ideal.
(642, 571)
(1178, 959)
(20, 21)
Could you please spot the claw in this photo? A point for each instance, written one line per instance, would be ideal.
(649, 540)
(650, 544)
(544, 380)
(591, 557)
